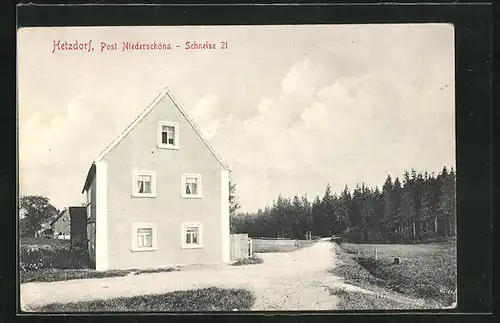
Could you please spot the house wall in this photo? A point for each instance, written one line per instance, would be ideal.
(78, 226)
(91, 221)
(62, 225)
(168, 210)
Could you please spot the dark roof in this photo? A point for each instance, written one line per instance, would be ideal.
(78, 211)
(90, 176)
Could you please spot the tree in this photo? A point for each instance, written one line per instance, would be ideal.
(397, 200)
(34, 210)
(233, 202)
(446, 204)
(328, 211)
(408, 208)
(307, 215)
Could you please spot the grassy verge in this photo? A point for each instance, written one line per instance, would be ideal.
(266, 246)
(208, 299)
(351, 300)
(250, 261)
(426, 271)
(52, 275)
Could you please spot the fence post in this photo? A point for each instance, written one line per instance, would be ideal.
(376, 254)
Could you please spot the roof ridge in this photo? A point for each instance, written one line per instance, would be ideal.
(196, 128)
(141, 116)
(131, 125)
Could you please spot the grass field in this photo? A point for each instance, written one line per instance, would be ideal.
(427, 271)
(52, 275)
(200, 300)
(278, 245)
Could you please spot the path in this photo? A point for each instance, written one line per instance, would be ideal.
(296, 280)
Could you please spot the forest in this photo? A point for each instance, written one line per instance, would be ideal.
(416, 208)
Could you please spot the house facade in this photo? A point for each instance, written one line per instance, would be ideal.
(158, 195)
(62, 225)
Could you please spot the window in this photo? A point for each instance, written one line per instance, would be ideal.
(191, 186)
(143, 237)
(191, 236)
(168, 135)
(144, 184)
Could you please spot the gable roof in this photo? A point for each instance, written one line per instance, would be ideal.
(58, 217)
(137, 120)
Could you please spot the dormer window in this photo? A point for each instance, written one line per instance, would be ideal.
(168, 135)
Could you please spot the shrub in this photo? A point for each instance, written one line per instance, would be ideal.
(43, 257)
(352, 235)
(250, 261)
(428, 235)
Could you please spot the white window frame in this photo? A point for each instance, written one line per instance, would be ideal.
(198, 245)
(159, 136)
(137, 226)
(137, 173)
(183, 186)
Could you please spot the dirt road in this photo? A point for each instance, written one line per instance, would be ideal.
(296, 280)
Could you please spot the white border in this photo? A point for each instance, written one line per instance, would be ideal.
(199, 245)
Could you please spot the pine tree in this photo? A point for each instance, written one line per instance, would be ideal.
(344, 207)
(328, 210)
(446, 204)
(388, 210)
(316, 216)
(307, 216)
(397, 199)
(408, 222)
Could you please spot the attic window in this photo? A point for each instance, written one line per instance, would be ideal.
(168, 135)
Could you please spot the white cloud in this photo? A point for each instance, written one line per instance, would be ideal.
(286, 118)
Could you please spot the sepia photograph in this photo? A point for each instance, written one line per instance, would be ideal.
(236, 168)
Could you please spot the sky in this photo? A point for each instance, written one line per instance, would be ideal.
(288, 108)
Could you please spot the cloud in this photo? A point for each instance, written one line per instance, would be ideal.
(287, 118)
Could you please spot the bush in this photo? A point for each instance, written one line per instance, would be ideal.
(250, 261)
(352, 235)
(38, 257)
(428, 235)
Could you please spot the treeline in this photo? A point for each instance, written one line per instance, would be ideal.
(416, 208)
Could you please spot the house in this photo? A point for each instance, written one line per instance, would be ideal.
(78, 225)
(71, 223)
(61, 225)
(158, 195)
(45, 227)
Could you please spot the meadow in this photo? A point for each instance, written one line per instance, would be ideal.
(427, 271)
(278, 245)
